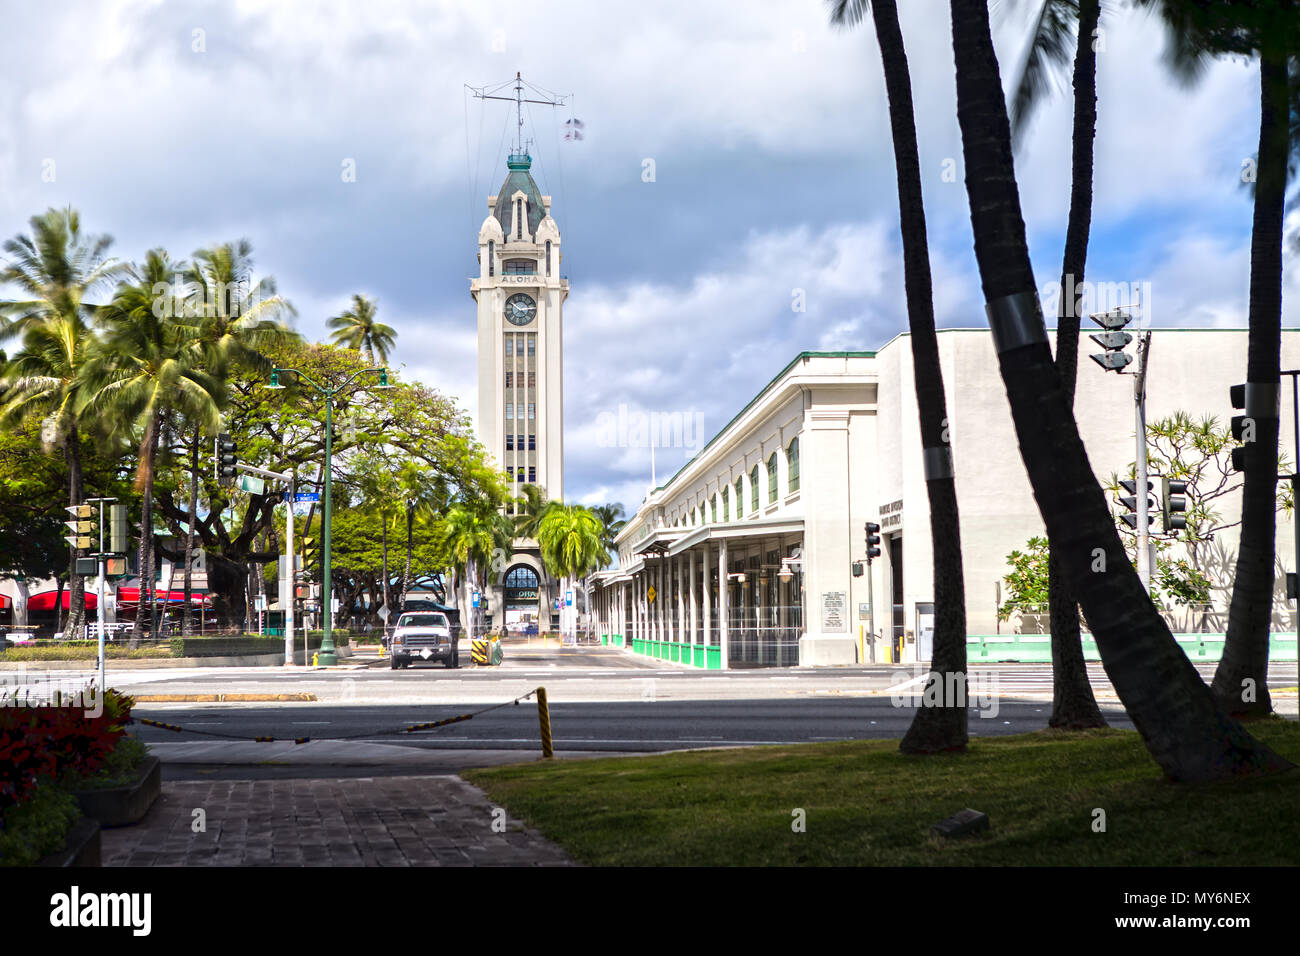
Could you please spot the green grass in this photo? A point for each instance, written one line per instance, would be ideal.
(866, 804)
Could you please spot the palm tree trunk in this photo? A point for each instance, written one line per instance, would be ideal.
(1186, 734)
(1241, 679)
(187, 627)
(76, 586)
(943, 727)
(148, 453)
(1074, 706)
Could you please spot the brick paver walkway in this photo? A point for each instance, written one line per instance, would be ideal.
(381, 821)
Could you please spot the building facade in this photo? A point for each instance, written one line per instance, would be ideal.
(747, 555)
(520, 295)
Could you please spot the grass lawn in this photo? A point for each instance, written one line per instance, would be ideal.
(866, 804)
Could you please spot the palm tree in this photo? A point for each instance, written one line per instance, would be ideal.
(1074, 705)
(469, 534)
(612, 523)
(146, 370)
(238, 318)
(569, 537)
(356, 328)
(1269, 30)
(531, 507)
(1189, 737)
(941, 728)
(59, 268)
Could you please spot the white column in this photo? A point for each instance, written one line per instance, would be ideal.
(704, 580)
(722, 600)
(682, 631)
(695, 605)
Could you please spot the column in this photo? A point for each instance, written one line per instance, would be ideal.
(707, 598)
(682, 621)
(722, 600)
(695, 606)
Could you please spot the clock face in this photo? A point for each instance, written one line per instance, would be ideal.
(520, 308)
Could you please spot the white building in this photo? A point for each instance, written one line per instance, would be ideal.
(520, 294)
(746, 555)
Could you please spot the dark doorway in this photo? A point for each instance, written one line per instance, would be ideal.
(896, 594)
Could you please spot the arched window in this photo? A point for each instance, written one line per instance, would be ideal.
(519, 218)
(740, 497)
(771, 478)
(521, 576)
(753, 488)
(792, 465)
(714, 503)
(492, 257)
(726, 511)
(548, 257)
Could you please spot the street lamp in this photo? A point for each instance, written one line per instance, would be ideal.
(326, 656)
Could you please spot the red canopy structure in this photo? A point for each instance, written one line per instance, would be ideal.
(127, 595)
(44, 600)
(5, 602)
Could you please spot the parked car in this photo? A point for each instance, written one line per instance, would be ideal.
(423, 635)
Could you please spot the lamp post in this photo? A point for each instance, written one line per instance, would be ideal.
(326, 656)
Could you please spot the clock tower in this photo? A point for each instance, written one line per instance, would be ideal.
(520, 295)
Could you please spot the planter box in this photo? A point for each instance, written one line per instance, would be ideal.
(81, 848)
(120, 806)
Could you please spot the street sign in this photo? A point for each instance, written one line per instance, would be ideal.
(568, 599)
(305, 496)
(383, 613)
(252, 484)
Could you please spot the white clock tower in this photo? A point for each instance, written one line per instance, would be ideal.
(520, 295)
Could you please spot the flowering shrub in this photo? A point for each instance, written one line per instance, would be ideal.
(39, 743)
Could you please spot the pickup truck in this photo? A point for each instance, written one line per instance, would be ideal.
(423, 635)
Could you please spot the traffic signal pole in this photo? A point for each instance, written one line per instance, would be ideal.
(1143, 488)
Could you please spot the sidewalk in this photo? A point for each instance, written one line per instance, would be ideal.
(382, 821)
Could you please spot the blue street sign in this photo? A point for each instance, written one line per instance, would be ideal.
(476, 598)
(568, 599)
(306, 496)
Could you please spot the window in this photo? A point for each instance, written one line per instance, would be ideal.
(753, 488)
(510, 383)
(532, 344)
(521, 576)
(532, 442)
(740, 497)
(492, 257)
(510, 345)
(519, 442)
(792, 466)
(714, 503)
(548, 257)
(532, 472)
(532, 379)
(510, 411)
(510, 444)
(532, 410)
(771, 478)
(519, 218)
(519, 475)
(519, 267)
(726, 510)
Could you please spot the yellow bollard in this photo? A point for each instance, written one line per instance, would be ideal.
(544, 718)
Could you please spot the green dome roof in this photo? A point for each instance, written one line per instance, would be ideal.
(519, 179)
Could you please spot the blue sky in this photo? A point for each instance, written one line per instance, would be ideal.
(183, 124)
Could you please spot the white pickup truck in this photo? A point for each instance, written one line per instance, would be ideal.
(423, 635)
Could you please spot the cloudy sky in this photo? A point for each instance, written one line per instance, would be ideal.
(181, 124)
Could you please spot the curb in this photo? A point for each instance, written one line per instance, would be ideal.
(217, 698)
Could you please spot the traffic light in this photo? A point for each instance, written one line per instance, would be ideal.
(81, 527)
(115, 567)
(873, 540)
(1173, 498)
(226, 454)
(1114, 339)
(1130, 501)
(1243, 428)
(117, 529)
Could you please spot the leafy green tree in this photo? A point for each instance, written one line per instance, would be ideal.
(357, 328)
(612, 522)
(59, 268)
(471, 534)
(146, 373)
(530, 508)
(569, 538)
